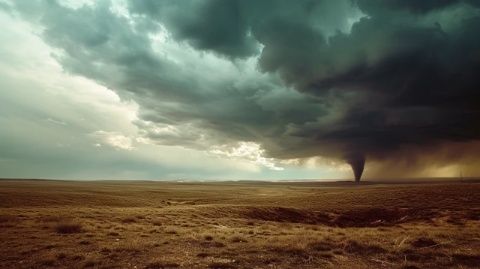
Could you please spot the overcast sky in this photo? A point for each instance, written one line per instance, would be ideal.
(226, 89)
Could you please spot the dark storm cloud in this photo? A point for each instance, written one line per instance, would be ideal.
(220, 26)
(370, 77)
(229, 28)
(377, 7)
(420, 84)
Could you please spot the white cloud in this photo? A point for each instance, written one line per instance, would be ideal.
(114, 139)
(250, 151)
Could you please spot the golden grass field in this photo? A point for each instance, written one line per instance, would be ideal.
(114, 224)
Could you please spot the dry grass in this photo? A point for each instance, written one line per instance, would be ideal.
(57, 224)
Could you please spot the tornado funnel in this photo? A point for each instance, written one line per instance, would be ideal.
(357, 162)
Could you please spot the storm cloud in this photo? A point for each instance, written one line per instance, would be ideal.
(347, 80)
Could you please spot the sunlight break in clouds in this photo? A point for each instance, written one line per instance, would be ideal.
(114, 139)
(250, 151)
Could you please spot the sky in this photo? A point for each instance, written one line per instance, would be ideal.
(230, 89)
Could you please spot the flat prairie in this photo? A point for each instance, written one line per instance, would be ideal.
(142, 224)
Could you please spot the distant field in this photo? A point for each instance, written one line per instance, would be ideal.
(114, 224)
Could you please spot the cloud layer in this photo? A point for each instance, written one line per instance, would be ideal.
(345, 80)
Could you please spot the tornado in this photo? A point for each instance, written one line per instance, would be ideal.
(357, 162)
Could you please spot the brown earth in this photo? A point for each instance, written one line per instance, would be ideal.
(114, 224)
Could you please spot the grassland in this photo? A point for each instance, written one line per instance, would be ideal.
(107, 224)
